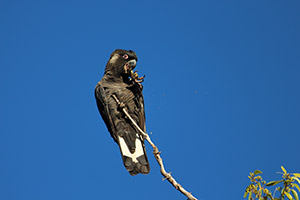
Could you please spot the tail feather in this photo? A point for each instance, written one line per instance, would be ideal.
(135, 162)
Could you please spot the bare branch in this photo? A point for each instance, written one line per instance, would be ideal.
(157, 156)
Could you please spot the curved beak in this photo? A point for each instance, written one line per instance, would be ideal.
(130, 65)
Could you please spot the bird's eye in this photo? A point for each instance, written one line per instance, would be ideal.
(125, 56)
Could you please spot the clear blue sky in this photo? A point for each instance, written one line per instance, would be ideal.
(221, 95)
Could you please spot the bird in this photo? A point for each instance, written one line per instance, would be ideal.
(121, 82)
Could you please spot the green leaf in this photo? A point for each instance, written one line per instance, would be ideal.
(250, 194)
(259, 185)
(297, 179)
(288, 195)
(257, 172)
(297, 186)
(284, 171)
(295, 194)
(296, 174)
(273, 183)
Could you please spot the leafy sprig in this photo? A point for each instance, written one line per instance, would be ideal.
(257, 190)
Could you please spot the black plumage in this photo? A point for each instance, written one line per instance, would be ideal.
(119, 80)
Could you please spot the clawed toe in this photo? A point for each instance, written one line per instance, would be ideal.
(135, 77)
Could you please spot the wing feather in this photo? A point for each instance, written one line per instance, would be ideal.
(103, 107)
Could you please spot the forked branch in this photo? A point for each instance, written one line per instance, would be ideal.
(157, 156)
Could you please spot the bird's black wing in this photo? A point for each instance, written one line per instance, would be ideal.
(103, 106)
(141, 114)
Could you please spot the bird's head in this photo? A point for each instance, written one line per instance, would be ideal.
(121, 62)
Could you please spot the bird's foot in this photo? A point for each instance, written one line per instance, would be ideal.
(135, 77)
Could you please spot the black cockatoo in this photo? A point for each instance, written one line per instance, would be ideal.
(120, 80)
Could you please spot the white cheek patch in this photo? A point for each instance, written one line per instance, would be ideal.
(114, 58)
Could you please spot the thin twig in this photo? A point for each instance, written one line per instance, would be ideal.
(157, 156)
